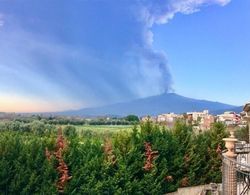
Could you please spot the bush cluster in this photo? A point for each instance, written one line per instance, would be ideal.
(114, 165)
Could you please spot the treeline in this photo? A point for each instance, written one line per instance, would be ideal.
(36, 127)
(128, 120)
(152, 160)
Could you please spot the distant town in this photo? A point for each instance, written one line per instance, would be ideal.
(200, 121)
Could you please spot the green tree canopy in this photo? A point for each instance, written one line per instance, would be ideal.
(132, 118)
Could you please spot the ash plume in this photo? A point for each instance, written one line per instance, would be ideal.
(91, 52)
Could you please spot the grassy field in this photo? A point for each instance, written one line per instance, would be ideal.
(91, 130)
(103, 128)
(101, 131)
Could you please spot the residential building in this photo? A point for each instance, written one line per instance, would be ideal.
(229, 118)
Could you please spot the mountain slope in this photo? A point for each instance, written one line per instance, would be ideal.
(236, 109)
(164, 103)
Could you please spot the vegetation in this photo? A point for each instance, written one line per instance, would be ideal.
(149, 159)
(57, 120)
(242, 134)
(132, 118)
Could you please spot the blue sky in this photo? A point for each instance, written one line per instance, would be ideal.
(57, 55)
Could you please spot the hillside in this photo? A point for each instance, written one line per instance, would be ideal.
(153, 105)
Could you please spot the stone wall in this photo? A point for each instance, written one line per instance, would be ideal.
(194, 190)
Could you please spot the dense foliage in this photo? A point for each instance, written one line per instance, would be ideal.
(132, 118)
(147, 160)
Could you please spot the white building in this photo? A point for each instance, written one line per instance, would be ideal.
(200, 120)
(198, 115)
(166, 117)
(229, 118)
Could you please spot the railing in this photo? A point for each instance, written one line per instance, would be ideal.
(243, 153)
(236, 172)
